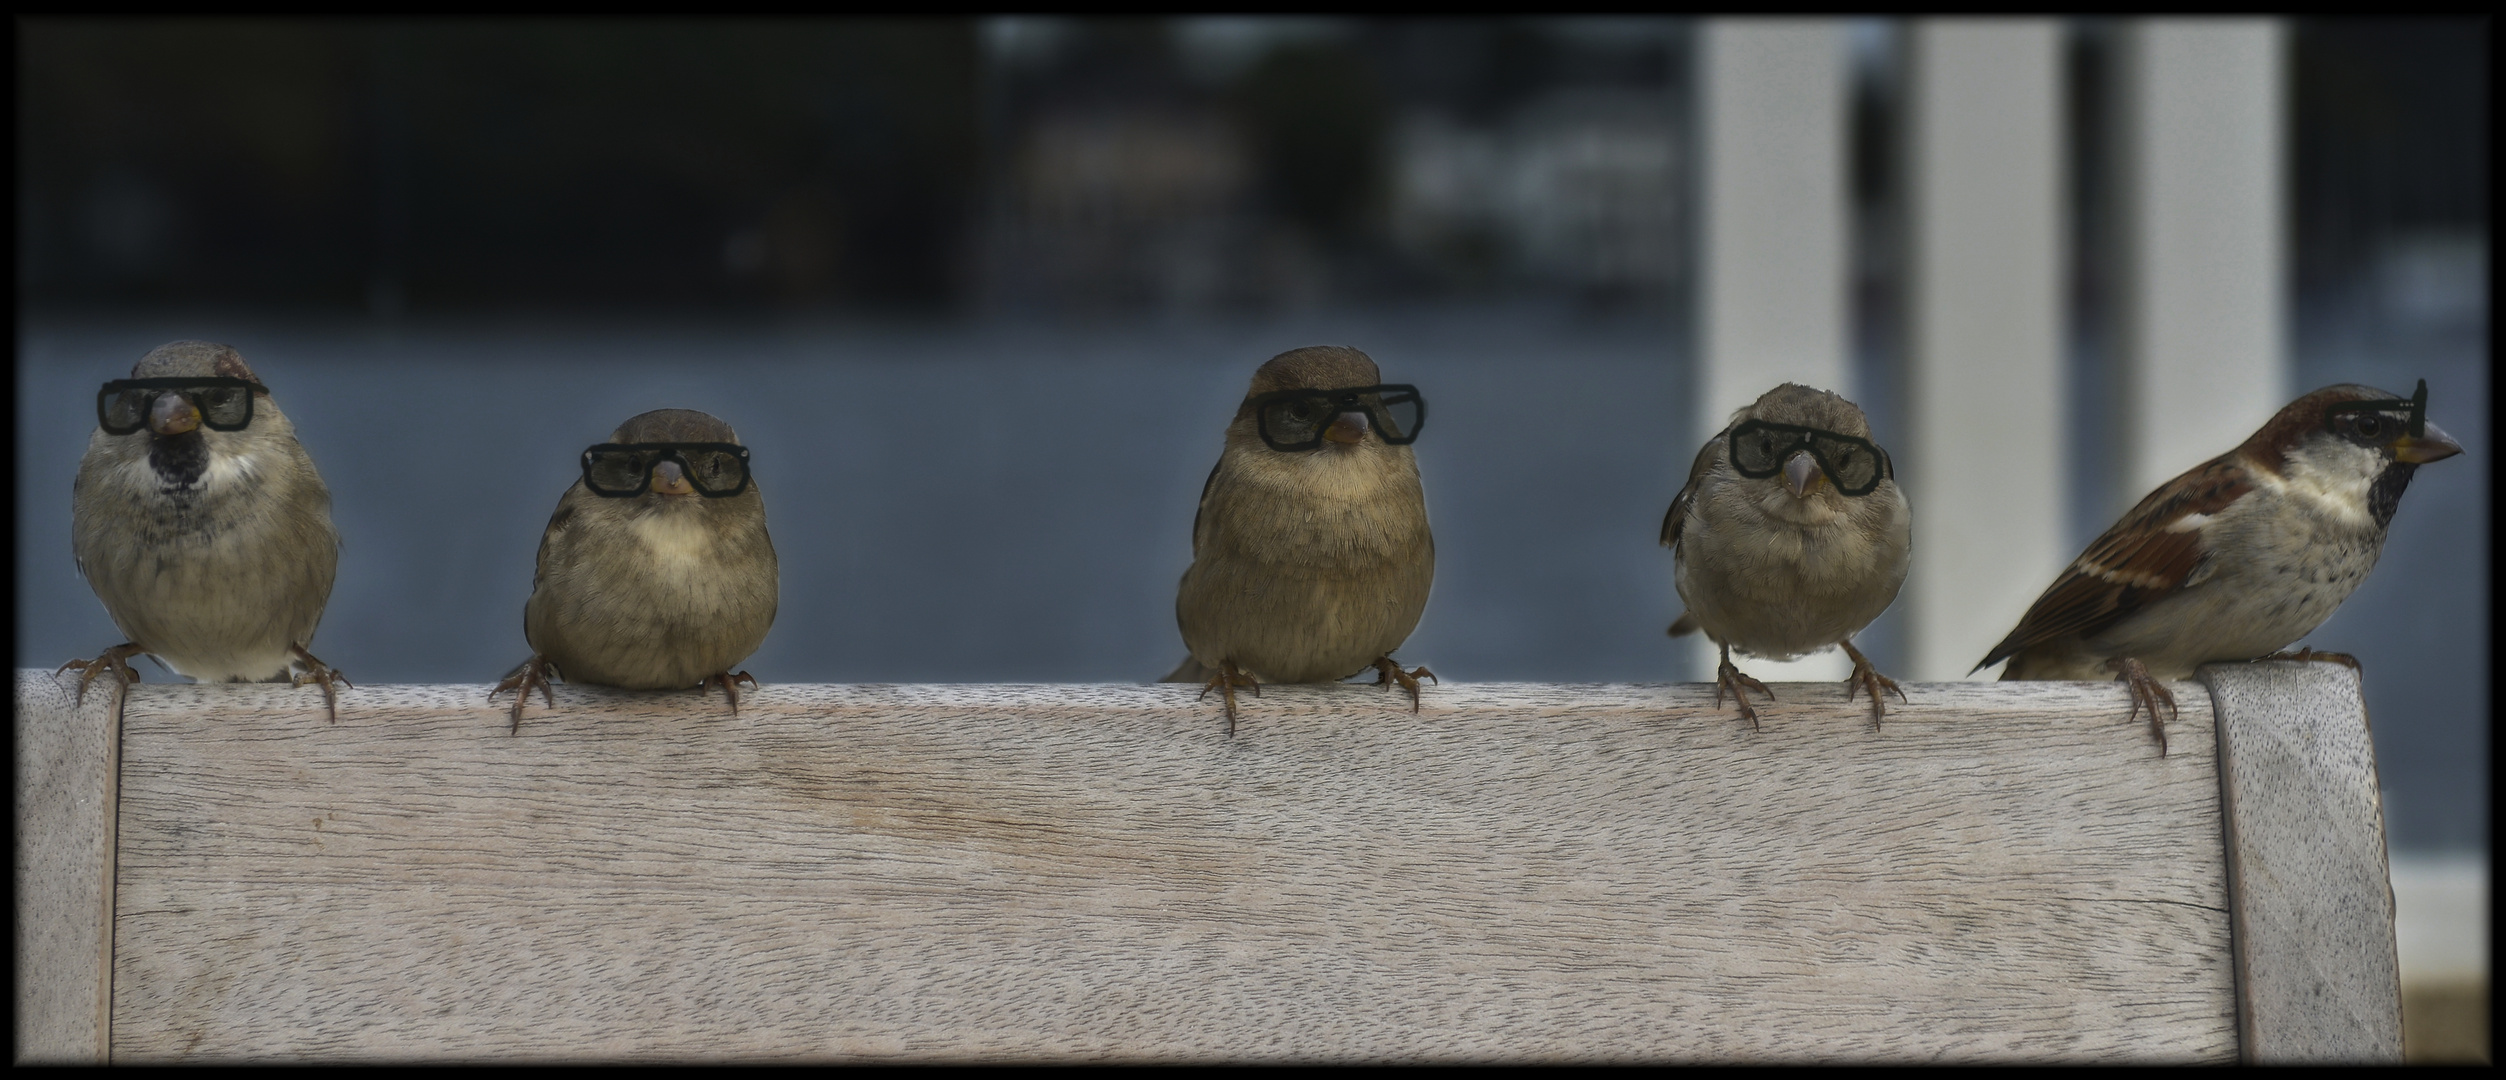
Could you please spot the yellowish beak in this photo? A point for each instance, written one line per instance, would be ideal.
(172, 414)
(1348, 427)
(2433, 445)
(1802, 475)
(668, 479)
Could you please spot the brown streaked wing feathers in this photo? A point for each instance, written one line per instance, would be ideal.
(2136, 563)
(1678, 514)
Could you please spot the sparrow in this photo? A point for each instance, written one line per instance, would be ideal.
(1311, 558)
(200, 522)
(655, 573)
(2237, 558)
(1790, 537)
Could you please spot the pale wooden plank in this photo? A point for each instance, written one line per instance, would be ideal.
(65, 800)
(1520, 871)
(1984, 332)
(2319, 979)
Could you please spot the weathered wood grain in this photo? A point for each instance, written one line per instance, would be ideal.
(1520, 871)
(2320, 981)
(65, 801)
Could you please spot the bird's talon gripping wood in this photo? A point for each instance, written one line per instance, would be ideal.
(1730, 677)
(726, 680)
(1388, 671)
(2147, 693)
(1868, 678)
(316, 671)
(1226, 681)
(115, 659)
(536, 671)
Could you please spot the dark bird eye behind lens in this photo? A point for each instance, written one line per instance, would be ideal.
(1294, 420)
(225, 403)
(1759, 449)
(625, 470)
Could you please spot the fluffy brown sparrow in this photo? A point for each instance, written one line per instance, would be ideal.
(2241, 556)
(1791, 536)
(655, 572)
(1311, 558)
(202, 525)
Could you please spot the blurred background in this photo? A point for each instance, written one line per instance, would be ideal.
(899, 256)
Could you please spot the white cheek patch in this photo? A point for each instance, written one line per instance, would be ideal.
(229, 469)
(2339, 492)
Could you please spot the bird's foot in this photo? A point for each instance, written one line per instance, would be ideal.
(1870, 680)
(536, 671)
(1226, 681)
(729, 682)
(2147, 693)
(2309, 653)
(1388, 670)
(1729, 677)
(115, 660)
(316, 671)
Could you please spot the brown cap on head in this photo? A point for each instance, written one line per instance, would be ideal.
(1803, 406)
(674, 425)
(192, 359)
(1315, 367)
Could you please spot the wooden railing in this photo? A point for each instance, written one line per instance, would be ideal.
(1518, 871)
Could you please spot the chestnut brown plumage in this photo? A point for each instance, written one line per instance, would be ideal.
(2235, 559)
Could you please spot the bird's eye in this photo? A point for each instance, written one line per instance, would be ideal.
(2370, 426)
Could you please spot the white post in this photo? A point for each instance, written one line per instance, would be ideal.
(2200, 139)
(1983, 460)
(1774, 233)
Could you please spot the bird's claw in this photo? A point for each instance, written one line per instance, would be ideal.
(1727, 676)
(316, 671)
(1870, 680)
(2147, 693)
(1388, 670)
(115, 660)
(2310, 653)
(1226, 681)
(729, 682)
(536, 671)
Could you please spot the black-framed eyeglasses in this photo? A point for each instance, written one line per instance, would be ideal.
(625, 470)
(1294, 420)
(1854, 465)
(224, 402)
(2410, 414)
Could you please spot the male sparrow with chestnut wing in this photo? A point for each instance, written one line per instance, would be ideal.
(1311, 558)
(2242, 556)
(1791, 536)
(202, 525)
(655, 572)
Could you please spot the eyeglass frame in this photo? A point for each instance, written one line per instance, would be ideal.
(1341, 401)
(1808, 440)
(176, 384)
(2416, 404)
(669, 451)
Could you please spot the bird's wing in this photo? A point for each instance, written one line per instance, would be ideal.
(1678, 514)
(558, 524)
(2156, 551)
(1203, 506)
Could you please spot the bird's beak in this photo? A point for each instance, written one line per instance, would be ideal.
(173, 414)
(1348, 427)
(2431, 445)
(1801, 474)
(669, 479)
